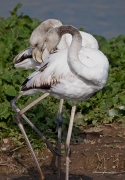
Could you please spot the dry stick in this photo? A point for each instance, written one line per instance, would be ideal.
(15, 149)
(105, 172)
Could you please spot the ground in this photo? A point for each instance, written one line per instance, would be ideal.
(98, 155)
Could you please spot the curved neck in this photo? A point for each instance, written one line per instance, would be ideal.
(76, 36)
(75, 46)
(78, 68)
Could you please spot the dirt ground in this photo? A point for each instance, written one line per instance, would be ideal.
(99, 155)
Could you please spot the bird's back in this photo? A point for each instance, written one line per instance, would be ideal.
(56, 77)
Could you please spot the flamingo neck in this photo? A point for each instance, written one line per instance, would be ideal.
(75, 46)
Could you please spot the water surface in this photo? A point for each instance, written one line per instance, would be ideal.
(101, 17)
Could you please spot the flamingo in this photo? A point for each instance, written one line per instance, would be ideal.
(73, 74)
(31, 57)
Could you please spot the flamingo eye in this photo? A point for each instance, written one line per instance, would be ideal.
(34, 46)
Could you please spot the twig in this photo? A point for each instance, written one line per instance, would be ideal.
(16, 148)
(106, 172)
(99, 159)
(3, 164)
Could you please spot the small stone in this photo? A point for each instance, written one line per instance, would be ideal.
(5, 140)
(4, 149)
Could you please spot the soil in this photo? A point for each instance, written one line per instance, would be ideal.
(98, 155)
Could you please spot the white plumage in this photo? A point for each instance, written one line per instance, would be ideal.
(62, 82)
(25, 60)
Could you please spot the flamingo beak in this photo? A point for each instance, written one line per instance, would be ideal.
(45, 51)
(37, 56)
(40, 56)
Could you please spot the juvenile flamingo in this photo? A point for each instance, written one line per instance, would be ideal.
(75, 74)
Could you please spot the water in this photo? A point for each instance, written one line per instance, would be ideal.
(101, 17)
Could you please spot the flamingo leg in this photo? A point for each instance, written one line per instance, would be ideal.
(68, 152)
(59, 123)
(17, 118)
(15, 107)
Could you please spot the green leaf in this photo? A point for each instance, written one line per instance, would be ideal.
(3, 125)
(11, 91)
(14, 11)
(122, 98)
(99, 94)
